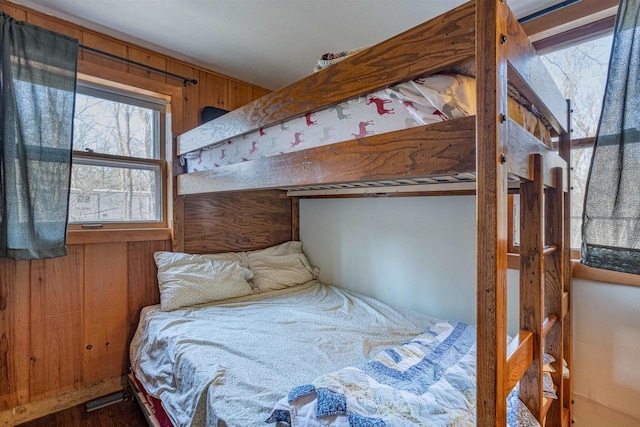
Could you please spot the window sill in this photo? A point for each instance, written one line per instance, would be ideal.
(80, 237)
(581, 271)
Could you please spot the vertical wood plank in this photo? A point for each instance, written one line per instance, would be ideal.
(47, 22)
(177, 217)
(14, 333)
(239, 94)
(105, 311)
(554, 286)
(142, 280)
(491, 213)
(257, 92)
(565, 153)
(18, 13)
(56, 324)
(104, 44)
(216, 92)
(191, 94)
(236, 221)
(295, 218)
(531, 283)
(147, 58)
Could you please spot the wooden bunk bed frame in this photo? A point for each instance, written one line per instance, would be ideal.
(489, 145)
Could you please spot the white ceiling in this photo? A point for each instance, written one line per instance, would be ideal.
(270, 43)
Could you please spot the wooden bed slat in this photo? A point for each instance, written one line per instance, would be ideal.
(428, 48)
(438, 149)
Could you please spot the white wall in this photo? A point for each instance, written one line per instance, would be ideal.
(420, 253)
(416, 252)
(606, 359)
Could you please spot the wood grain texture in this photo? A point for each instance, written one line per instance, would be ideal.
(142, 280)
(531, 283)
(530, 76)
(13, 11)
(553, 292)
(519, 357)
(520, 147)
(105, 44)
(295, 218)
(491, 213)
(14, 333)
(125, 413)
(564, 149)
(147, 58)
(191, 95)
(62, 401)
(430, 47)
(56, 324)
(42, 20)
(574, 12)
(105, 311)
(438, 149)
(214, 92)
(239, 94)
(236, 221)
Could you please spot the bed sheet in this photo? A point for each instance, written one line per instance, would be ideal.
(421, 101)
(228, 363)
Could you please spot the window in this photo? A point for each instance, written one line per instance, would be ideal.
(118, 173)
(580, 71)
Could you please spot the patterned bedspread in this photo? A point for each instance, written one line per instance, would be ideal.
(427, 381)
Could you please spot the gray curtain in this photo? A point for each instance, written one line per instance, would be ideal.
(36, 122)
(611, 218)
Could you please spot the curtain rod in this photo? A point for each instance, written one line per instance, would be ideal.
(546, 11)
(185, 80)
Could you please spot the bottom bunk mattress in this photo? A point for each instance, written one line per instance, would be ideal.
(227, 364)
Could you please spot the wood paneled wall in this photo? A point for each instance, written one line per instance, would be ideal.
(66, 323)
(238, 221)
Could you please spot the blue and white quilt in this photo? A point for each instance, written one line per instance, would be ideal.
(427, 381)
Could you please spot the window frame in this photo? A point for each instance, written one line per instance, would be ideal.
(124, 93)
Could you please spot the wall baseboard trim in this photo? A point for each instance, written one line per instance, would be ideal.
(32, 410)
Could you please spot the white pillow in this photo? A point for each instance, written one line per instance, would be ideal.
(187, 280)
(281, 266)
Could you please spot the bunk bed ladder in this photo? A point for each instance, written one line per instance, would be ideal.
(542, 282)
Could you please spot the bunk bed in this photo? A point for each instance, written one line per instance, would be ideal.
(488, 153)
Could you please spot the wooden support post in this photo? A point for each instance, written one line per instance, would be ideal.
(491, 211)
(531, 283)
(554, 287)
(564, 150)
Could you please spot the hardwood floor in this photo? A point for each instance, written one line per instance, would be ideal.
(122, 414)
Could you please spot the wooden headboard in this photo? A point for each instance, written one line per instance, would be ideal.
(238, 221)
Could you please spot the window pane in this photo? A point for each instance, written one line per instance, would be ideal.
(114, 194)
(110, 127)
(581, 73)
(580, 162)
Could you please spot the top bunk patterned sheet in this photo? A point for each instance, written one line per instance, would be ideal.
(422, 101)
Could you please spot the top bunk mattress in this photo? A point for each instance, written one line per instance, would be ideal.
(418, 102)
(229, 363)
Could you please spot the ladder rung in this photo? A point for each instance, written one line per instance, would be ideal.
(548, 324)
(550, 249)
